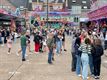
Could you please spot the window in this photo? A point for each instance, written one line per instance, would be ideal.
(85, 7)
(30, 1)
(76, 9)
(73, 1)
(84, 2)
(0, 6)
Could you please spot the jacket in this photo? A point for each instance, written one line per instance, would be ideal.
(97, 52)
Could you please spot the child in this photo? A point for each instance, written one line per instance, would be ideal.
(9, 44)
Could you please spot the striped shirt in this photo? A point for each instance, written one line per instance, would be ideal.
(85, 48)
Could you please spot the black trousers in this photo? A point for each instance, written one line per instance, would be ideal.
(105, 44)
(74, 60)
(40, 49)
(97, 67)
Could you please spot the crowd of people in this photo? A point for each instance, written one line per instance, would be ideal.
(52, 40)
(87, 49)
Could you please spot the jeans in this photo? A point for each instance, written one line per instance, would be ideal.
(58, 46)
(91, 64)
(85, 62)
(23, 51)
(0, 40)
(78, 65)
(15, 40)
(74, 60)
(50, 54)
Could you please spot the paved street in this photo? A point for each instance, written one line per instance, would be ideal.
(37, 68)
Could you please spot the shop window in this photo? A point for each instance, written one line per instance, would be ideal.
(84, 2)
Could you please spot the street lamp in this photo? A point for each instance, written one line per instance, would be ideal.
(47, 12)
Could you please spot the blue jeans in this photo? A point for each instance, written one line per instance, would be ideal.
(78, 65)
(58, 46)
(85, 62)
(23, 51)
(91, 64)
(50, 55)
(0, 40)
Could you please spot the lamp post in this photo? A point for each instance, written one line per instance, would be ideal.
(47, 12)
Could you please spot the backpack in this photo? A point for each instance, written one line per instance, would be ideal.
(50, 43)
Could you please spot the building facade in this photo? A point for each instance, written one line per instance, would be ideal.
(85, 4)
(96, 4)
(98, 9)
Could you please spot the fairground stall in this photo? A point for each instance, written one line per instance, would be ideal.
(57, 15)
(98, 18)
(11, 21)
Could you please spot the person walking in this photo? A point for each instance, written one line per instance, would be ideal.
(37, 42)
(78, 55)
(102, 40)
(9, 44)
(23, 46)
(50, 44)
(86, 49)
(63, 39)
(0, 37)
(59, 42)
(3, 35)
(105, 41)
(74, 59)
(97, 53)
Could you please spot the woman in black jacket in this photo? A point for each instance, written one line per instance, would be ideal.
(37, 41)
(97, 52)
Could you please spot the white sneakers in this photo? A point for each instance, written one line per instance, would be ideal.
(8, 53)
(17, 54)
(79, 75)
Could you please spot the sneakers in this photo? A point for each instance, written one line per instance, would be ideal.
(8, 53)
(79, 75)
(23, 59)
(17, 54)
(65, 50)
(26, 55)
(50, 62)
(53, 59)
(97, 77)
(2, 45)
(73, 70)
(87, 77)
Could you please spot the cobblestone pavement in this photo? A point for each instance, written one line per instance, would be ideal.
(37, 68)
